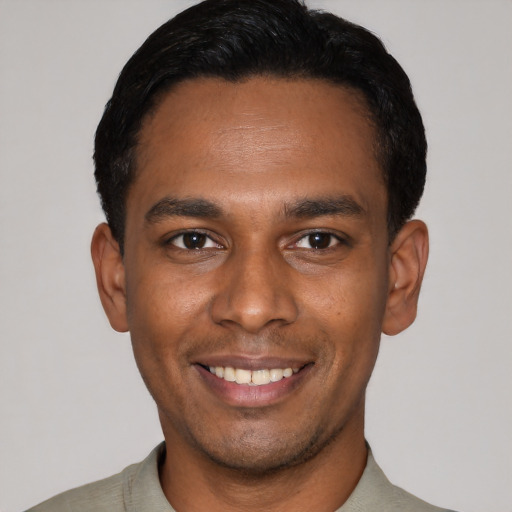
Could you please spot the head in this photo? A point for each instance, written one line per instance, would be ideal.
(257, 164)
(237, 39)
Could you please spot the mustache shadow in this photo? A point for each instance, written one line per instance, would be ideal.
(272, 341)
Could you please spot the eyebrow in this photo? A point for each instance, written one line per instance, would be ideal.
(308, 208)
(190, 207)
(304, 208)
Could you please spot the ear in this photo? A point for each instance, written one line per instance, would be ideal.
(110, 276)
(408, 259)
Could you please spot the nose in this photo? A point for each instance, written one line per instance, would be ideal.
(255, 293)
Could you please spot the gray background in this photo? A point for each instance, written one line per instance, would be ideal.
(73, 407)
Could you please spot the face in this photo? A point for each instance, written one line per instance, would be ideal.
(256, 267)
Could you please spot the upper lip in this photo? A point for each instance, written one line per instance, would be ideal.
(252, 362)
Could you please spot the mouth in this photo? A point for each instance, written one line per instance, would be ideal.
(253, 383)
(259, 377)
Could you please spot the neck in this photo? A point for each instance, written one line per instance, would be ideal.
(191, 481)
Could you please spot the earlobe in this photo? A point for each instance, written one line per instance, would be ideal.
(408, 259)
(110, 276)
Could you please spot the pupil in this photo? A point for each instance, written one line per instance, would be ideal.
(319, 240)
(194, 240)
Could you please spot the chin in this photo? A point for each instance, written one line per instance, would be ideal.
(257, 455)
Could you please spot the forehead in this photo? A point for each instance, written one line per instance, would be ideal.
(256, 139)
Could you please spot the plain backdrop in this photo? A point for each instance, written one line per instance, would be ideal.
(73, 407)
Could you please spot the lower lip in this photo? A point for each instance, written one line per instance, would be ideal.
(243, 395)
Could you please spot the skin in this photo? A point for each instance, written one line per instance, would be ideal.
(262, 165)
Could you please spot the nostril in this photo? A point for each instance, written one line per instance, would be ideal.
(254, 295)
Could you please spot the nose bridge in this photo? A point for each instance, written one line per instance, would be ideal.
(255, 291)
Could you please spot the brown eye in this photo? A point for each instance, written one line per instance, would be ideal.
(193, 240)
(320, 240)
(317, 241)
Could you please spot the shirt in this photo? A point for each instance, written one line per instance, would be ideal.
(137, 489)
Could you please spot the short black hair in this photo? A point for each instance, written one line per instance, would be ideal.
(237, 39)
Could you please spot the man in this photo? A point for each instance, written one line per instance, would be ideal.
(258, 165)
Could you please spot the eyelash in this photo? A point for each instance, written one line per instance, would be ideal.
(338, 240)
(191, 233)
(331, 238)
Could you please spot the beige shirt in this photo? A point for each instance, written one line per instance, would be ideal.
(137, 489)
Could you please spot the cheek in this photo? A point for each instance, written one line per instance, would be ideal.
(349, 308)
(164, 301)
(164, 311)
(352, 300)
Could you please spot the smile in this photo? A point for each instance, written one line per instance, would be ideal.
(250, 383)
(252, 377)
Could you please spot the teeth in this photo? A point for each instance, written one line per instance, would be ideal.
(276, 374)
(260, 377)
(242, 376)
(229, 374)
(254, 377)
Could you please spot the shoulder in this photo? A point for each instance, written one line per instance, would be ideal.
(375, 493)
(404, 501)
(103, 495)
(112, 494)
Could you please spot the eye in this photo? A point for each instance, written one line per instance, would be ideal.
(193, 240)
(318, 241)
